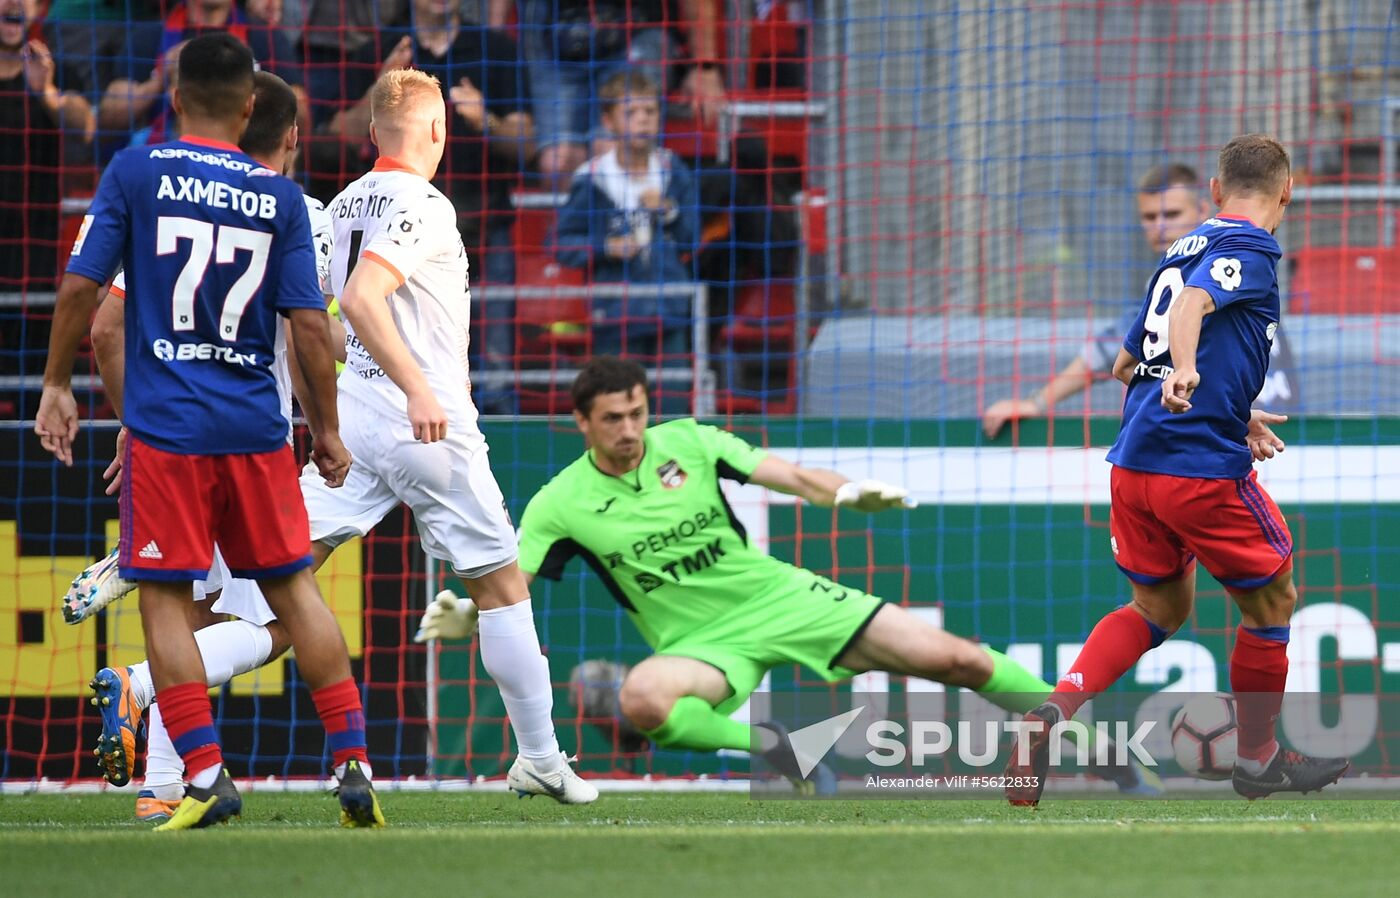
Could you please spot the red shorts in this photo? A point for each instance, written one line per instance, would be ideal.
(175, 507)
(1159, 524)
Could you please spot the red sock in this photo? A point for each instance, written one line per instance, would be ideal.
(190, 722)
(344, 720)
(1117, 642)
(1258, 671)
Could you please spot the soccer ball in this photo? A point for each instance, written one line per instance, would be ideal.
(1204, 735)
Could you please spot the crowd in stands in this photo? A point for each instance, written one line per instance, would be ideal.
(565, 98)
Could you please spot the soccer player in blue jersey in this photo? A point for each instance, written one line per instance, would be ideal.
(1183, 486)
(219, 246)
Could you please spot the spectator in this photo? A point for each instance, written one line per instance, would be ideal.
(1170, 204)
(490, 134)
(573, 45)
(329, 33)
(632, 217)
(136, 101)
(40, 99)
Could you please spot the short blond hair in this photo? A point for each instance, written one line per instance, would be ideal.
(399, 91)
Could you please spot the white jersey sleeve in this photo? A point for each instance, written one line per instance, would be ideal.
(417, 228)
(323, 239)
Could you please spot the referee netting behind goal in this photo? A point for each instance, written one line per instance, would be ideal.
(902, 213)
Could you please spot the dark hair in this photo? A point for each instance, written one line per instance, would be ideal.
(625, 85)
(215, 75)
(1161, 178)
(1253, 163)
(274, 113)
(606, 374)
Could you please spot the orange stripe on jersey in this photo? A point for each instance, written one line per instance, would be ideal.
(116, 291)
(373, 256)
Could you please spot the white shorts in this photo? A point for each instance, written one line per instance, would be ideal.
(241, 598)
(459, 508)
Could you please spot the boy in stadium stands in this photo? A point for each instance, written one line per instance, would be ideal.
(215, 246)
(575, 45)
(632, 217)
(137, 99)
(1171, 203)
(643, 507)
(1183, 486)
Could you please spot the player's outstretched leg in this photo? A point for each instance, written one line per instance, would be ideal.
(1258, 673)
(325, 663)
(1116, 643)
(510, 652)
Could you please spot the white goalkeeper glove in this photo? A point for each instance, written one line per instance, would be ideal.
(873, 495)
(448, 617)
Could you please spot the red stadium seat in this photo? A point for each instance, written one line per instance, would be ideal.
(1345, 281)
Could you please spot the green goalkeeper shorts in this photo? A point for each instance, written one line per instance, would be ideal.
(812, 621)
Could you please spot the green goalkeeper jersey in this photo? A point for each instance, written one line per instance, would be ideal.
(662, 537)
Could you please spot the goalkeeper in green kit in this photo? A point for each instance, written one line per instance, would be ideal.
(643, 508)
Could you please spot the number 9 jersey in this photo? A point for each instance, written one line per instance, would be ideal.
(1236, 263)
(217, 246)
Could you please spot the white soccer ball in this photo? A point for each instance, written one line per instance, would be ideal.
(1204, 736)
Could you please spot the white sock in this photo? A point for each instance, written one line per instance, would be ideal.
(205, 778)
(510, 652)
(143, 688)
(165, 772)
(232, 648)
(1253, 767)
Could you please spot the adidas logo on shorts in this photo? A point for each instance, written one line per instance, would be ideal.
(151, 551)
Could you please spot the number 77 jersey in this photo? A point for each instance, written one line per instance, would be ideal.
(214, 246)
(1237, 264)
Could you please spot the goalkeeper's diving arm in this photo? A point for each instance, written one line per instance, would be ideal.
(828, 489)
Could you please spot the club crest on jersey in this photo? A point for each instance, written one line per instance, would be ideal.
(405, 228)
(671, 474)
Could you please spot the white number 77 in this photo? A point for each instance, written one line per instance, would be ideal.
(170, 230)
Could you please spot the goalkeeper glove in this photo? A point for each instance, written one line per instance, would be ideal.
(872, 495)
(448, 617)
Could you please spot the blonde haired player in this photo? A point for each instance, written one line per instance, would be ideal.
(400, 270)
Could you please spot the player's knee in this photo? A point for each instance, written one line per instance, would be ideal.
(644, 704)
(959, 663)
(281, 640)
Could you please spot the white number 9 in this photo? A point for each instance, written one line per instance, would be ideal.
(1156, 340)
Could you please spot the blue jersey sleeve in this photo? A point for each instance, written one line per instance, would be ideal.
(1236, 270)
(97, 253)
(299, 288)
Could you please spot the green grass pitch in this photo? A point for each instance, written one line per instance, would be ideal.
(724, 845)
